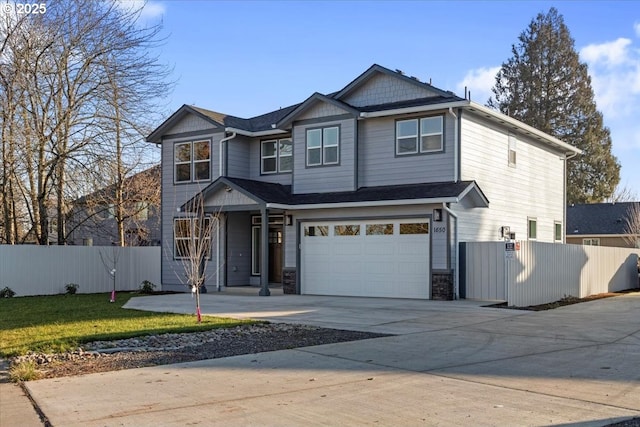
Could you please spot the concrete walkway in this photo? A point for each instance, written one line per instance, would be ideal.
(450, 363)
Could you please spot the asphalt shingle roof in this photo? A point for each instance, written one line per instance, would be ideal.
(597, 218)
(277, 193)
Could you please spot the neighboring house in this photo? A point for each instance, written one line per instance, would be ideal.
(364, 192)
(92, 217)
(601, 224)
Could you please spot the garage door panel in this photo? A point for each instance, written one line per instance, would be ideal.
(380, 265)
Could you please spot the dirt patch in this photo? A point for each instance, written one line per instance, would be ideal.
(568, 300)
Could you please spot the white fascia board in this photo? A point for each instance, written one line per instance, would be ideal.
(496, 115)
(255, 134)
(364, 204)
(416, 109)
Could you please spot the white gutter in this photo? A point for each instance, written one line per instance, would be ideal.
(233, 135)
(362, 204)
(255, 134)
(564, 198)
(417, 109)
(456, 274)
(455, 145)
(518, 125)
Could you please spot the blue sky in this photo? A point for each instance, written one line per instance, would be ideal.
(247, 58)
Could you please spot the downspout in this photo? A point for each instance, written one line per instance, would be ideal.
(218, 248)
(456, 274)
(455, 145)
(564, 197)
(223, 140)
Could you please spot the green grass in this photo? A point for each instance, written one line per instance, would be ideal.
(60, 323)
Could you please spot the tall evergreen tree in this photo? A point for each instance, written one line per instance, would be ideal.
(545, 85)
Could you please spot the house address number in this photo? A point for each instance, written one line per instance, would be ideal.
(439, 229)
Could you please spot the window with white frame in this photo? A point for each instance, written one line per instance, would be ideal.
(532, 228)
(276, 156)
(192, 161)
(591, 242)
(420, 135)
(188, 236)
(557, 231)
(323, 146)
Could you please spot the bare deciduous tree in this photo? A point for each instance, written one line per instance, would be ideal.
(632, 225)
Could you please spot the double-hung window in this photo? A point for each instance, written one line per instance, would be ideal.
(192, 161)
(323, 146)
(276, 156)
(424, 135)
(192, 236)
(532, 228)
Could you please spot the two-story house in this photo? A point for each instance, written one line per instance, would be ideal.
(363, 192)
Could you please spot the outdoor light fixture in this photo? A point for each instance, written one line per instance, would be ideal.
(289, 219)
(437, 215)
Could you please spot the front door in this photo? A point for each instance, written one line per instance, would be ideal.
(275, 254)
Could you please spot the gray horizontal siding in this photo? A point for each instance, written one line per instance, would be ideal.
(324, 179)
(238, 157)
(379, 165)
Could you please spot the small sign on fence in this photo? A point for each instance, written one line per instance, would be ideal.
(509, 250)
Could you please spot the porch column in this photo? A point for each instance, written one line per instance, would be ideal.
(264, 253)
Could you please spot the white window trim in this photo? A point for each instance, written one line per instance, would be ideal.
(264, 157)
(280, 156)
(590, 241)
(255, 252)
(418, 137)
(512, 148)
(555, 224)
(529, 221)
(322, 146)
(191, 232)
(192, 162)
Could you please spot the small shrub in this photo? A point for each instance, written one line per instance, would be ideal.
(24, 371)
(71, 288)
(7, 292)
(147, 287)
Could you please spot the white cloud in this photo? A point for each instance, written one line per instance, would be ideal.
(614, 68)
(636, 27)
(609, 54)
(149, 10)
(479, 81)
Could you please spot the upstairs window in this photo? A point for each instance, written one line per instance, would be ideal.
(512, 151)
(323, 146)
(276, 156)
(192, 161)
(416, 136)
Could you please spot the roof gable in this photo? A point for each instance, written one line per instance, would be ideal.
(379, 85)
(317, 105)
(186, 118)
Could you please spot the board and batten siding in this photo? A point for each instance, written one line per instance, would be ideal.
(438, 239)
(174, 196)
(382, 89)
(379, 165)
(324, 179)
(534, 188)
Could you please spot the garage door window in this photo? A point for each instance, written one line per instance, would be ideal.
(346, 230)
(379, 229)
(316, 230)
(414, 228)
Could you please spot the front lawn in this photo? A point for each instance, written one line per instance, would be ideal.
(60, 323)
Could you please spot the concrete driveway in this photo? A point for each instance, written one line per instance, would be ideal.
(450, 363)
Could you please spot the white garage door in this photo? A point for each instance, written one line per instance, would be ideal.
(377, 258)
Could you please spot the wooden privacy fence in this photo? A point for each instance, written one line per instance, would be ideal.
(45, 270)
(530, 273)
